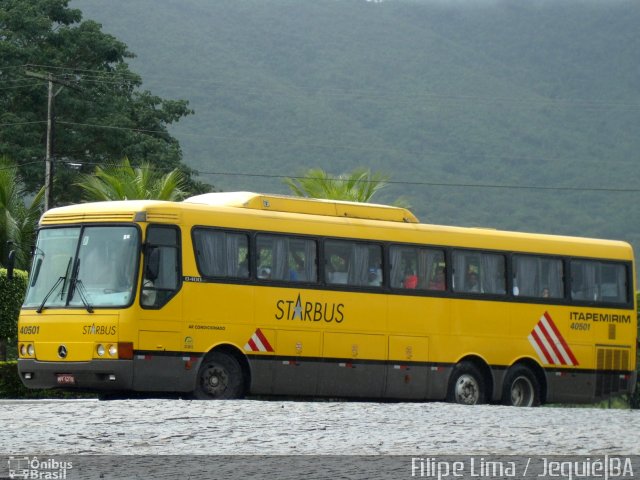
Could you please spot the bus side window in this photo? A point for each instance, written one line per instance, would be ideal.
(417, 268)
(599, 282)
(537, 276)
(479, 272)
(220, 253)
(353, 263)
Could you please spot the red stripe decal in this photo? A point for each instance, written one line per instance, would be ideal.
(545, 353)
(264, 340)
(554, 347)
(561, 338)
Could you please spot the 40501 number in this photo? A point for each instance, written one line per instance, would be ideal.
(30, 330)
(580, 326)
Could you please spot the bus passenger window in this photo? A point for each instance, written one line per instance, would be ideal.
(353, 263)
(289, 259)
(479, 272)
(337, 262)
(221, 254)
(537, 276)
(599, 282)
(415, 268)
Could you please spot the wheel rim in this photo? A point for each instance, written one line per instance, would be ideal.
(522, 392)
(467, 390)
(215, 380)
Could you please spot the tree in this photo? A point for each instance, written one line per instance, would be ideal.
(358, 186)
(121, 181)
(100, 110)
(18, 221)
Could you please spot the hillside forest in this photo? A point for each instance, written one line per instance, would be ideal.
(500, 113)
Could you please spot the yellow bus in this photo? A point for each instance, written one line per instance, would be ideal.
(231, 294)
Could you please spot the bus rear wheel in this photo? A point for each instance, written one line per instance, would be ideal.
(467, 385)
(521, 388)
(219, 378)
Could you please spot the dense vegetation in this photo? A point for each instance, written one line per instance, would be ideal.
(542, 94)
(11, 296)
(54, 64)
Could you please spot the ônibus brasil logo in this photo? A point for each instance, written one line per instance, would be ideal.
(50, 468)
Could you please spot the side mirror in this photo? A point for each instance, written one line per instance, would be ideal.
(11, 261)
(152, 268)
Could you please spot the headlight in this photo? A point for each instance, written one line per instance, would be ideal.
(113, 350)
(30, 350)
(23, 350)
(100, 350)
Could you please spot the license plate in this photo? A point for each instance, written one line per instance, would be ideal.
(66, 379)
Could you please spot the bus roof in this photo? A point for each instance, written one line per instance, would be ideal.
(309, 206)
(318, 217)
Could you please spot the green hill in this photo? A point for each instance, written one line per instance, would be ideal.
(443, 96)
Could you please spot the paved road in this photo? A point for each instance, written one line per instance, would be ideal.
(152, 426)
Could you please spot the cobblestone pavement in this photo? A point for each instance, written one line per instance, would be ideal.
(153, 426)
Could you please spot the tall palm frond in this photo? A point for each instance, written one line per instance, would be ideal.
(17, 221)
(360, 185)
(121, 181)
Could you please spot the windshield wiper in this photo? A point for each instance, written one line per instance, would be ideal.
(55, 285)
(76, 284)
(82, 293)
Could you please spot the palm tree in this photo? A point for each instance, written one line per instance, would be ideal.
(18, 221)
(121, 181)
(358, 186)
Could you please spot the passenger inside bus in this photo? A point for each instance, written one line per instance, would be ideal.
(438, 281)
(410, 280)
(472, 284)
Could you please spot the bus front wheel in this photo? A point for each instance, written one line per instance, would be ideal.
(466, 385)
(219, 378)
(521, 387)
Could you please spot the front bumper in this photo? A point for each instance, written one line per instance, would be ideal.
(94, 375)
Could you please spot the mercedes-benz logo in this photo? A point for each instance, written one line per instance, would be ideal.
(62, 351)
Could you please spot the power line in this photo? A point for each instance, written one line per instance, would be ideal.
(22, 85)
(75, 164)
(76, 70)
(297, 91)
(406, 182)
(439, 184)
(112, 127)
(296, 144)
(21, 123)
(15, 167)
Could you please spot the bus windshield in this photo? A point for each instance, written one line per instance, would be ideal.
(84, 267)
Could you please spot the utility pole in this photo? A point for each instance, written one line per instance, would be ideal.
(48, 166)
(48, 159)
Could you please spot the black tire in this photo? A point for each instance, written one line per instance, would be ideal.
(521, 387)
(467, 385)
(219, 378)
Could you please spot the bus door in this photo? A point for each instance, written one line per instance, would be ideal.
(160, 328)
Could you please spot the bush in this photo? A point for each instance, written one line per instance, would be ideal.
(11, 298)
(10, 384)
